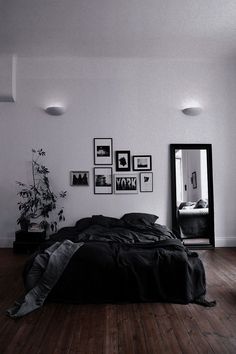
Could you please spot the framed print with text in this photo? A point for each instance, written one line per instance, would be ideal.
(126, 183)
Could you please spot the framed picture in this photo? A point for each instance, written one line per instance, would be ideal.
(103, 151)
(79, 178)
(122, 160)
(142, 163)
(102, 180)
(146, 182)
(126, 184)
(194, 179)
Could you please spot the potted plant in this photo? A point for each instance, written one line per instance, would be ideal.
(37, 200)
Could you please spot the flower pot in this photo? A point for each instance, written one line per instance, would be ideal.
(24, 224)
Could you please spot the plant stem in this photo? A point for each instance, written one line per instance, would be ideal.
(33, 175)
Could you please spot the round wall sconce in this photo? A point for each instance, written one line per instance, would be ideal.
(192, 111)
(55, 110)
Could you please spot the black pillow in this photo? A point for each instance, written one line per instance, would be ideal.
(82, 224)
(139, 218)
(106, 221)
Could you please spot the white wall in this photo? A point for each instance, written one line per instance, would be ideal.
(137, 102)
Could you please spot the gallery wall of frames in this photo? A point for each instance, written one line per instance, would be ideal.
(130, 174)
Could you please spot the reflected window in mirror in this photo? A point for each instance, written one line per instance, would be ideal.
(191, 175)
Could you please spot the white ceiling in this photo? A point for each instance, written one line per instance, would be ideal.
(120, 28)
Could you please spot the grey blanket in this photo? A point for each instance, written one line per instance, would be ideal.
(43, 275)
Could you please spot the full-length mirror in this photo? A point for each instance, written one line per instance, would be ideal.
(192, 194)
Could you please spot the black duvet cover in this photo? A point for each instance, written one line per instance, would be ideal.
(126, 262)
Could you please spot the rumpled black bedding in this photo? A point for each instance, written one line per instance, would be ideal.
(126, 262)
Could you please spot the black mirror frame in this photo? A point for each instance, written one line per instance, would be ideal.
(175, 226)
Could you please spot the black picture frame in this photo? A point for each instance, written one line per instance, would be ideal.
(103, 180)
(146, 181)
(122, 158)
(126, 183)
(79, 178)
(142, 163)
(103, 151)
(194, 180)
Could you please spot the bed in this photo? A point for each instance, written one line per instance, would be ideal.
(110, 260)
(193, 218)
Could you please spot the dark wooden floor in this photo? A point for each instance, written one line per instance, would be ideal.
(124, 329)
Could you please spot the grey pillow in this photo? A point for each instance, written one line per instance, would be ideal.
(186, 204)
(201, 203)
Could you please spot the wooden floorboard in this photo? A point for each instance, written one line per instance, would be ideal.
(145, 328)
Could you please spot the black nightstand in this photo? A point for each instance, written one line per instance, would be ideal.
(28, 242)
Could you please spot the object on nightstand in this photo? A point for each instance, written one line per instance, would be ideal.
(34, 227)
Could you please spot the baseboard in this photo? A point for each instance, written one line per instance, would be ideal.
(6, 242)
(227, 241)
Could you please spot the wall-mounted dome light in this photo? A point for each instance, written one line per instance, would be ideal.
(192, 111)
(55, 110)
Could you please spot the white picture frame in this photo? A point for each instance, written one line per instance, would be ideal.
(126, 183)
(146, 182)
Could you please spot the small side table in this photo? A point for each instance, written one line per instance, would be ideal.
(28, 242)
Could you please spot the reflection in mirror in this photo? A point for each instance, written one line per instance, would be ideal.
(192, 194)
